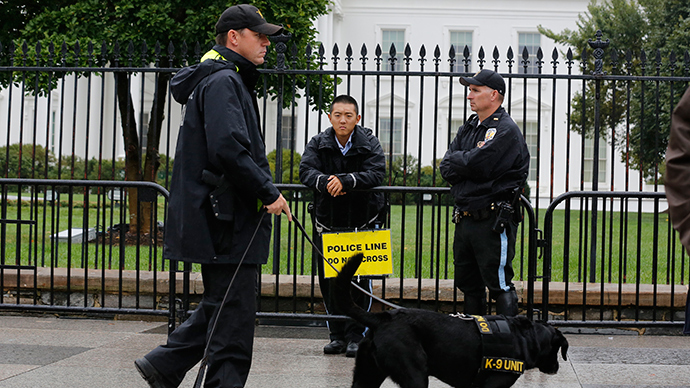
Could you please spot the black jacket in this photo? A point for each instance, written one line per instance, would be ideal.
(220, 133)
(363, 167)
(485, 161)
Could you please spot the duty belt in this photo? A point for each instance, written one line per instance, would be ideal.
(480, 214)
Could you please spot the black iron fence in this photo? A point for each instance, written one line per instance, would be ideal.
(595, 122)
(66, 247)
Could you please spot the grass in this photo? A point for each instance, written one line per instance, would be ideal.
(409, 257)
(421, 244)
(31, 243)
(640, 247)
(658, 258)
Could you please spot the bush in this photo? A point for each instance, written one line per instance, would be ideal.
(26, 161)
(39, 163)
(287, 167)
(410, 175)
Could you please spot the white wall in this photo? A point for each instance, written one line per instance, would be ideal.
(426, 109)
(85, 112)
(493, 23)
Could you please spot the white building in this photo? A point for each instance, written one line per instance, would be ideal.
(427, 113)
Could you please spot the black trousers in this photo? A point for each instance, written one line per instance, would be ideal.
(348, 331)
(230, 349)
(483, 258)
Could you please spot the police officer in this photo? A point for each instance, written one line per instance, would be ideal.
(216, 222)
(486, 165)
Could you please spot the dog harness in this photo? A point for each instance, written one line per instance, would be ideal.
(498, 352)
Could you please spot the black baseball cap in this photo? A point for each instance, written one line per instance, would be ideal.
(486, 77)
(245, 16)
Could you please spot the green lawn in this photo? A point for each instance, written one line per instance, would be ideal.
(31, 242)
(661, 258)
(406, 258)
(428, 252)
(627, 245)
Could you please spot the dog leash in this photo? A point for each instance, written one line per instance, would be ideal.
(304, 232)
(204, 361)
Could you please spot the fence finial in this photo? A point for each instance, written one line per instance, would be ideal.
(598, 45)
(281, 48)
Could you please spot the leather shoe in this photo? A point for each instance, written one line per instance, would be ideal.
(151, 374)
(335, 347)
(352, 348)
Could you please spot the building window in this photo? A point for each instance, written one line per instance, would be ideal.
(531, 41)
(52, 132)
(144, 133)
(459, 40)
(286, 132)
(396, 38)
(588, 160)
(531, 132)
(455, 125)
(385, 136)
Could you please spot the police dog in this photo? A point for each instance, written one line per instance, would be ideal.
(409, 345)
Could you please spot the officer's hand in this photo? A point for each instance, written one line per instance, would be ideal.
(334, 186)
(279, 206)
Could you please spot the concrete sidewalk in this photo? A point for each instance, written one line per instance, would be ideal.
(41, 351)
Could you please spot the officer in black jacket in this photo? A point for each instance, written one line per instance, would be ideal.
(337, 163)
(221, 181)
(486, 164)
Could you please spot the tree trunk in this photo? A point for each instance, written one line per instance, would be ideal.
(140, 213)
(152, 160)
(131, 138)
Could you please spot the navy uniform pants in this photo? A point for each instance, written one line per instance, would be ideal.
(482, 257)
(348, 331)
(230, 349)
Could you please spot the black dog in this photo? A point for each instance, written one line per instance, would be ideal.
(409, 345)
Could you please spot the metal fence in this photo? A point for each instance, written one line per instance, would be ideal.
(66, 247)
(69, 113)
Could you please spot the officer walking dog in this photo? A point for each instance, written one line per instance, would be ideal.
(409, 345)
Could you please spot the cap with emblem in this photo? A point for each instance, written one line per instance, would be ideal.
(245, 16)
(486, 77)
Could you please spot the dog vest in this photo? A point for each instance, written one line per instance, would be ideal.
(498, 353)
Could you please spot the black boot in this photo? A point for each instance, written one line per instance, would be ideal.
(506, 304)
(475, 305)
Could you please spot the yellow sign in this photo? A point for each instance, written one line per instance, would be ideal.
(374, 244)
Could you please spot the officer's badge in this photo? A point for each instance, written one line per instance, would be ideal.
(490, 133)
(480, 144)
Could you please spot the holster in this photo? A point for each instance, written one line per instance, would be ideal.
(222, 198)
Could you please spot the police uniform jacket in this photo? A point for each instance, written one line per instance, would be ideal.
(362, 167)
(219, 133)
(485, 161)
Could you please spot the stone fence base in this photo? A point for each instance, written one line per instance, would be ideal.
(129, 289)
